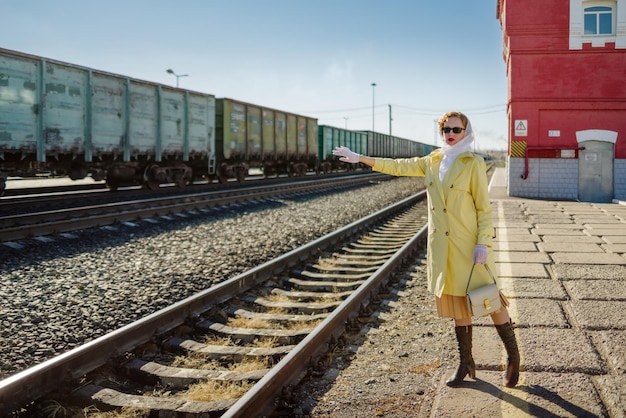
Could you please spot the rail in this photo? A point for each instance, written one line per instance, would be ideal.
(34, 383)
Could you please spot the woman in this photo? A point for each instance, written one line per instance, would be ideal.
(460, 231)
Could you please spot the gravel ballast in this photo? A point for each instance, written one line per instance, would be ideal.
(59, 294)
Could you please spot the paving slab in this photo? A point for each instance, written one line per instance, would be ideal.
(526, 288)
(514, 246)
(558, 231)
(612, 390)
(548, 219)
(618, 225)
(563, 350)
(506, 223)
(583, 239)
(538, 313)
(606, 220)
(616, 239)
(521, 257)
(596, 289)
(569, 225)
(536, 270)
(615, 248)
(586, 271)
(517, 237)
(540, 395)
(513, 231)
(612, 346)
(606, 232)
(569, 247)
(597, 314)
(588, 258)
(553, 222)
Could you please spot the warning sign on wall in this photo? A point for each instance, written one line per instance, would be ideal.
(521, 127)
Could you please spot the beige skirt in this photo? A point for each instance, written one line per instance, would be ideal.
(455, 307)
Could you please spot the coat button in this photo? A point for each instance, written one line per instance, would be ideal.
(452, 185)
(430, 184)
(444, 210)
(447, 234)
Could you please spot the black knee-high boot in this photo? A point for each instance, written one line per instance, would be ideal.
(506, 333)
(466, 364)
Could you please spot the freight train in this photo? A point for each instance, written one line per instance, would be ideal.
(68, 120)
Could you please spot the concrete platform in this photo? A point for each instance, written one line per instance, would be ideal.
(563, 267)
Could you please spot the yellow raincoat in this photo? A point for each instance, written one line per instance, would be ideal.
(459, 217)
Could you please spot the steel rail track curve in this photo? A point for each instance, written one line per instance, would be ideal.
(26, 225)
(19, 390)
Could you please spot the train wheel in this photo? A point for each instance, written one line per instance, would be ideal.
(182, 182)
(98, 174)
(148, 177)
(113, 185)
(185, 177)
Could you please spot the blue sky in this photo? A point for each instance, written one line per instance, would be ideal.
(316, 57)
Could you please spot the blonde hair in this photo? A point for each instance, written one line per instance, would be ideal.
(446, 116)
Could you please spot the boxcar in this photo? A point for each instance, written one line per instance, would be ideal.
(74, 121)
(383, 145)
(252, 136)
(330, 137)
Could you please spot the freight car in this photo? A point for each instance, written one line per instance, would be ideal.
(74, 121)
(367, 143)
(251, 136)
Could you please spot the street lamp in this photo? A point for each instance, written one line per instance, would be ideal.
(346, 119)
(373, 103)
(170, 71)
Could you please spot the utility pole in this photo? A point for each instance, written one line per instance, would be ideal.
(390, 119)
(373, 104)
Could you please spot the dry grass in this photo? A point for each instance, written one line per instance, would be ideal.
(425, 368)
(123, 413)
(212, 339)
(53, 409)
(255, 323)
(214, 391)
(265, 343)
(199, 362)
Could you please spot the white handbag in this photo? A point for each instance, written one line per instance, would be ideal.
(484, 300)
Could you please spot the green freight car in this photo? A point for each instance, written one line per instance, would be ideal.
(68, 120)
(274, 141)
(74, 121)
(330, 137)
(375, 144)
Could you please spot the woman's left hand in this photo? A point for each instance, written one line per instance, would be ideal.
(480, 254)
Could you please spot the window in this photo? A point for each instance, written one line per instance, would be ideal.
(598, 20)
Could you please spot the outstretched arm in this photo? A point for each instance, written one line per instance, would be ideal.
(348, 156)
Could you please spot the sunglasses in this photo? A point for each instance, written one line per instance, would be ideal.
(456, 130)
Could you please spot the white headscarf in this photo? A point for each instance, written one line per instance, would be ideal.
(450, 152)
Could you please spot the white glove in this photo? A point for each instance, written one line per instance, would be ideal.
(480, 254)
(346, 155)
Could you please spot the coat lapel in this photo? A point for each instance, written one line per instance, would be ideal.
(455, 170)
(435, 174)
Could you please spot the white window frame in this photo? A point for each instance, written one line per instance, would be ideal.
(577, 35)
(596, 14)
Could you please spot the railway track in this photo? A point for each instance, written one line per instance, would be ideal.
(24, 223)
(252, 337)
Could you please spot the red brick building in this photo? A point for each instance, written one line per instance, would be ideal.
(566, 69)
